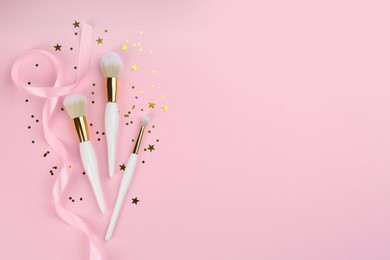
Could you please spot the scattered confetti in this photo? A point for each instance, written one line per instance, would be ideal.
(99, 40)
(150, 51)
(154, 71)
(76, 24)
(122, 167)
(124, 47)
(135, 201)
(57, 47)
(162, 96)
(151, 148)
(164, 108)
(141, 32)
(152, 105)
(134, 67)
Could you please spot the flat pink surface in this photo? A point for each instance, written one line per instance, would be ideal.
(276, 143)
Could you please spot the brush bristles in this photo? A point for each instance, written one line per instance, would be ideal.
(111, 65)
(145, 120)
(75, 105)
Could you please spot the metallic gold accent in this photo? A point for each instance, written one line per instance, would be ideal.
(139, 138)
(81, 127)
(112, 89)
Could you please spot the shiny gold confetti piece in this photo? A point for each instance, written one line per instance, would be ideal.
(138, 44)
(152, 85)
(133, 107)
(135, 201)
(76, 24)
(122, 167)
(150, 148)
(124, 47)
(164, 108)
(141, 32)
(134, 67)
(140, 49)
(135, 44)
(69, 166)
(99, 40)
(133, 87)
(150, 51)
(57, 47)
(127, 41)
(142, 91)
(162, 96)
(105, 30)
(126, 115)
(152, 105)
(154, 71)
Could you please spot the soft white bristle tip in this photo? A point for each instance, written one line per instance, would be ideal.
(111, 65)
(75, 105)
(145, 120)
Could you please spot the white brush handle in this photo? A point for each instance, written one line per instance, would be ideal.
(91, 167)
(126, 179)
(111, 122)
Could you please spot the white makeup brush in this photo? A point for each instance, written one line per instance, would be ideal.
(126, 179)
(75, 106)
(111, 65)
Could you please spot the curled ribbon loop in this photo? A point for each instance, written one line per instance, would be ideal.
(52, 94)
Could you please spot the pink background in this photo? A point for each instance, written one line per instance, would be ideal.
(276, 144)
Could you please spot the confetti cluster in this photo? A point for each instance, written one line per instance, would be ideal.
(136, 99)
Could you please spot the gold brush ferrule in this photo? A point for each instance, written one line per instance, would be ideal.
(112, 89)
(81, 127)
(139, 138)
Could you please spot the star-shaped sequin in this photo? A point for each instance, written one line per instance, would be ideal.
(124, 47)
(135, 201)
(150, 148)
(152, 105)
(122, 167)
(76, 24)
(134, 67)
(99, 40)
(57, 47)
(164, 108)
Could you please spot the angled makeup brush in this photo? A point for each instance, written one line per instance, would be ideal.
(126, 179)
(111, 65)
(75, 106)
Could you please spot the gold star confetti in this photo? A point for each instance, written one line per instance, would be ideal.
(141, 32)
(99, 40)
(150, 148)
(162, 96)
(164, 108)
(127, 41)
(154, 71)
(151, 104)
(122, 167)
(57, 47)
(140, 49)
(124, 47)
(69, 166)
(133, 107)
(138, 44)
(142, 91)
(135, 44)
(134, 67)
(152, 85)
(135, 201)
(76, 24)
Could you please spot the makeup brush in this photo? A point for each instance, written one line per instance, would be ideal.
(111, 65)
(126, 179)
(75, 106)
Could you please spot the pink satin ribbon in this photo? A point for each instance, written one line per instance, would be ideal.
(52, 94)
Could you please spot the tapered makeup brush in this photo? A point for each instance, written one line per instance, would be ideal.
(75, 106)
(126, 179)
(111, 66)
